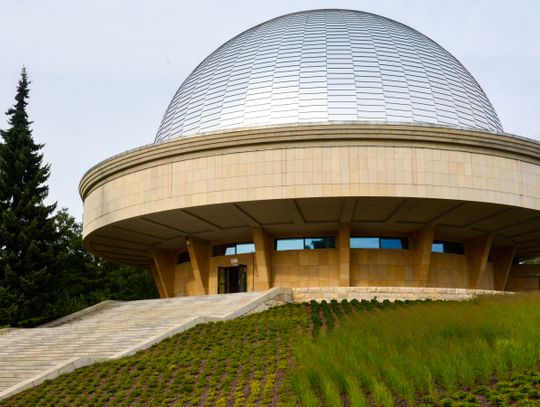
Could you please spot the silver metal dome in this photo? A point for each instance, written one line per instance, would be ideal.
(323, 66)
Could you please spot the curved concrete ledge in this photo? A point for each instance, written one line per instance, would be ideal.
(221, 168)
(500, 144)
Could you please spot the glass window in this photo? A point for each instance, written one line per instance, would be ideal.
(364, 242)
(441, 246)
(398, 243)
(289, 244)
(224, 249)
(307, 243)
(230, 249)
(451, 247)
(242, 248)
(319, 243)
(182, 258)
(394, 243)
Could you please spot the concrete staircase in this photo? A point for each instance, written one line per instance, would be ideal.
(110, 330)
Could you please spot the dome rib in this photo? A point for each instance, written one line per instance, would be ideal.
(323, 66)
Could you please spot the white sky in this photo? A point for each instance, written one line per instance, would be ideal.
(104, 71)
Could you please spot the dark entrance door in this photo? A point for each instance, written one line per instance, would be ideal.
(232, 279)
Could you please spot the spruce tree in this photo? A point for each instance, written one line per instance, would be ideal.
(27, 224)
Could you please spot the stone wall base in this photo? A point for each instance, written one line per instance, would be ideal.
(284, 297)
(387, 293)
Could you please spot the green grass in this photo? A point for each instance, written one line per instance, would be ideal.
(405, 353)
(476, 353)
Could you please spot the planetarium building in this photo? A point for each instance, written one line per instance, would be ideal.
(325, 148)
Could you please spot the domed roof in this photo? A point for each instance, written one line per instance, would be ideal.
(321, 66)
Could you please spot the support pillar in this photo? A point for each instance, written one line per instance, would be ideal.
(163, 270)
(502, 263)
(344, 254)
(157, 280)
(199, 255)
(263, 259)
(477, 251)
(422, 242)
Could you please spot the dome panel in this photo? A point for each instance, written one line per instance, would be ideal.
(322, 66)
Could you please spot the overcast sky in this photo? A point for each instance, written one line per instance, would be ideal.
(104, 71)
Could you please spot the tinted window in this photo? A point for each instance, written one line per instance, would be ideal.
(320, 243)
(230, 249)
(451, 247)
(183, 258)
(440, 246)
(394, 243)
(379, 243)
(308, 243)
(224, 250)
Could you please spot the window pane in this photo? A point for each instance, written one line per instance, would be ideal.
(219, 250)
(451, 247)
(319, 243)
(364, 242)
(441, 246)
(289, 244)
(437, 247)
(183, 258)
(224, 249)
(245, 248)
(393, 243)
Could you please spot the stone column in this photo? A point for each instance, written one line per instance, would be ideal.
(344, 254)
(163, 270)
(422, 241)
(199, 256)
(477, 251)
(502, 263)
(262, 279)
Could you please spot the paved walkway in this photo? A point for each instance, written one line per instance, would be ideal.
(109, 330)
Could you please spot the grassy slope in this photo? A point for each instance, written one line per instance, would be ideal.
(247, 361)
(239, 362)
(405, 353)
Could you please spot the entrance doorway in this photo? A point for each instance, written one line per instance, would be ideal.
(232, 279)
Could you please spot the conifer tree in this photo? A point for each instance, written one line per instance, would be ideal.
(27, 224)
